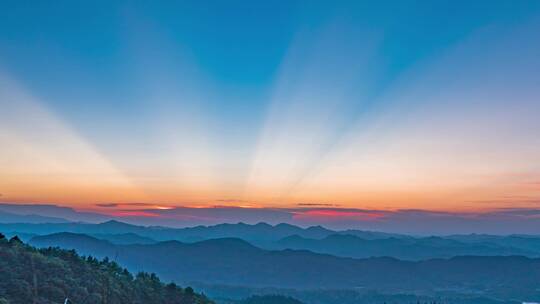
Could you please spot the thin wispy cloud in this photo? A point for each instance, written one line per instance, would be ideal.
(317, 205)
(414, 221)
(107, 205)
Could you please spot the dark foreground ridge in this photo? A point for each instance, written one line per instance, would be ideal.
(30, 275)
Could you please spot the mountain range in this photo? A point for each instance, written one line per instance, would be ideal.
(233, 261)
(7, 217)
(261, 232)
(403, 248)
(349, 243)
(285, 258)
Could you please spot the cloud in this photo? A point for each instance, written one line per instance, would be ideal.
(231, 200)
(317, 205)
(114, 205)
(136, 204)
(522, 212)
(411, 221)
(107, 205)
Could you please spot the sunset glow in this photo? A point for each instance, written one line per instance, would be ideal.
(316, 107)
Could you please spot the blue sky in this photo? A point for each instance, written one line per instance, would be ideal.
(236, 47)
(271, 104)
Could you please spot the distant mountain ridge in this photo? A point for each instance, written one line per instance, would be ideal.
(7, 217)
(403, 248)
(349, 243)
(124, 238)
(259, 232)
(53, 211)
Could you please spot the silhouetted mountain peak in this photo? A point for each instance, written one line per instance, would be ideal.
(115, 223)
(286, 226)
(263, 225)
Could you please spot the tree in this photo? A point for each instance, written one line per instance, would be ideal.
(15, 240)
(50, 275)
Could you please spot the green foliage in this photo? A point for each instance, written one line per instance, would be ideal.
(29, 275)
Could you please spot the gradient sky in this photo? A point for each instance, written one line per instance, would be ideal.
(430, 105)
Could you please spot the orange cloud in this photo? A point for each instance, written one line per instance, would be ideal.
(129, 213)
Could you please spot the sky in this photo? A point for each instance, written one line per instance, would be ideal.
(331, 107)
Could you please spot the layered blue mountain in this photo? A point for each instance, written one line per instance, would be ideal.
(231, 261)
(8, 217)
(262, 232)
(349, 243)
(403, 248)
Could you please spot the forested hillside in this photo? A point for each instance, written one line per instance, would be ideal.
(41, 276)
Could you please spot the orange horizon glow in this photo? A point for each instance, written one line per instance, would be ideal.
(448, 133)
(373, 212)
